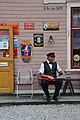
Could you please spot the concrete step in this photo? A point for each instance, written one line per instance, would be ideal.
(8, 99)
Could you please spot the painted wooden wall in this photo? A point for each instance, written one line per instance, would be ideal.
(23, 11)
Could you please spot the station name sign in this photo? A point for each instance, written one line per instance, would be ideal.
(53, 8)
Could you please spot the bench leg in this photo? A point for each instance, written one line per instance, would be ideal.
(71, 88)
(65, 87)
(68, 83)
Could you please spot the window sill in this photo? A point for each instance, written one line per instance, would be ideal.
(72, 70)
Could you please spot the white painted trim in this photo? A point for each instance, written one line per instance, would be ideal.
(45, 1)
(68, 38)
(59, 1)
(41, 91)
(69, 5)
(35, 91)
(73, 70)
(54, 1)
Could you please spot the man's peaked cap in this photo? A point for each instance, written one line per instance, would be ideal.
(52, 54)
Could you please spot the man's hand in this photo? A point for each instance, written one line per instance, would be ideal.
(61, 73)
(47, 76)
(50, 77)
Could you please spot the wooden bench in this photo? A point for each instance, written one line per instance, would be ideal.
(68, 83)
(67, 79)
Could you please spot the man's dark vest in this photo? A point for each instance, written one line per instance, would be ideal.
(48, 70)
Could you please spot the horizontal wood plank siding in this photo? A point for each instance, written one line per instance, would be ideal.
(23, 11)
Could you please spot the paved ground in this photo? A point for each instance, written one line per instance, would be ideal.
(37, 99)
(12, 108)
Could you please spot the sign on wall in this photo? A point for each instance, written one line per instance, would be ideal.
(26, 50)
(15, 41)
(50, 26)
(15, 27)
(29, 26)
(38, 40)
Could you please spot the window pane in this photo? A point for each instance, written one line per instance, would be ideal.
(76, 17)
(76, 47)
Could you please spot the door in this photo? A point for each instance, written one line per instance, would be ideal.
(6, 60)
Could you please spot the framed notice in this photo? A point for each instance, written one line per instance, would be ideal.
(3, 45)
(38, 40)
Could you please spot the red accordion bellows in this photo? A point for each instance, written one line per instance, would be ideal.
(47, 79)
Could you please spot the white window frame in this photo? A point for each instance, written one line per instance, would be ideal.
(59, 1)
(54, 1)
(69, 5)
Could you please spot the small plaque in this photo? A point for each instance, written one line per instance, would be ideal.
(3, 64)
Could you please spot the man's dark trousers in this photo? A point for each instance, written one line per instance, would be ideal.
(45, 84)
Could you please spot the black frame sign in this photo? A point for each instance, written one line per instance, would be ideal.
(50, 26)
(38, 40)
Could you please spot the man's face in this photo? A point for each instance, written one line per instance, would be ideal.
(50, 58)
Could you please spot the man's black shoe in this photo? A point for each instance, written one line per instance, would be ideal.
(48, 99)
(55, 98)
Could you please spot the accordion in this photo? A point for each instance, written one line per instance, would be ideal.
(50, 80)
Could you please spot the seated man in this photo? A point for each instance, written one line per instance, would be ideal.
(47, 72)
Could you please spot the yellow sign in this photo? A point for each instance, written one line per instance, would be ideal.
(51, 26)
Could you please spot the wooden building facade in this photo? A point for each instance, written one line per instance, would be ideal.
(57, 23)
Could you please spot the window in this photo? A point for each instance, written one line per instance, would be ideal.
(75, 37)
